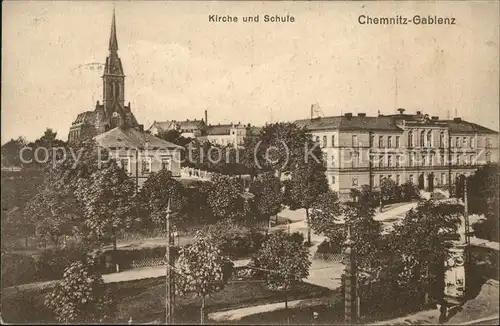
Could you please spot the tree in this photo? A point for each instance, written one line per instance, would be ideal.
(389, 190)
(283, 146)
(283, 261)
(482, 196)
(53, 212)
(307, 182)
(409, 191)
(268, 195)
(225, 198)
(202, 269)
(325, 216)
(81, 296)
(365, 194)
(157, 190)
(11, 152)
(107, 199)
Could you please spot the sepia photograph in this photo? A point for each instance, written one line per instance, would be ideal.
(250, 162)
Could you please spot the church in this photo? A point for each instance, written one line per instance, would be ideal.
(115, 127)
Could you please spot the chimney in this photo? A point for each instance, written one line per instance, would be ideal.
(457, 119)
(401, 110)
(435, 118)
(141, 128)
(419, 112)
(361, 114)
(206, 117)
(348, 115)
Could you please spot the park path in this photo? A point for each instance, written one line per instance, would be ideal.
(237, 314)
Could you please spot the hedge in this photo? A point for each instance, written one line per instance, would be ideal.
(20, 269)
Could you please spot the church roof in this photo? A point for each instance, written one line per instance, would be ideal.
(132, 138)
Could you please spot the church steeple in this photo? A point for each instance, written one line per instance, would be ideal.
(113, 41)
(113, 77)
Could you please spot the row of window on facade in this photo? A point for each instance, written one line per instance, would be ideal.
(397, 161)
(426, 140)
(146, 164)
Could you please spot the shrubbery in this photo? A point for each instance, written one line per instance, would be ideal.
(327, 247)
(234, 240)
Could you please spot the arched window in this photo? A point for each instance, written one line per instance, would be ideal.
(333, 140)
(422, 139)
(410, 139)
(325, 141)
(429, 138)
(441, 139)
(317, 139)
(457, 142)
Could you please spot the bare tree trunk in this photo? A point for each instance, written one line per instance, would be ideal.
(202, 311)
(113, 238)
(308, 227)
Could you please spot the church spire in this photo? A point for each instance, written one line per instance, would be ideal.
(113, 41)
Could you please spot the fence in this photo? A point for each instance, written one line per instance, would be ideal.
(328, 256)
(148, 262)
(187, 172)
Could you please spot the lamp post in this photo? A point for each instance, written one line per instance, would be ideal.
(170, 290)
(350, 286)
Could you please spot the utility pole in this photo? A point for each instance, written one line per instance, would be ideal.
(170, 291)
(467, 238)
(350, 286)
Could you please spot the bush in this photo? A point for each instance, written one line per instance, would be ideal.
(297, 237)
(328, 247)
(235, 241)
(81, 296)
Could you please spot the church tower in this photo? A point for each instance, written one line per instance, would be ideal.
(113, 77)
(112, 112)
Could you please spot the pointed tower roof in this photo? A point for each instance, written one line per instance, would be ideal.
(113, 41)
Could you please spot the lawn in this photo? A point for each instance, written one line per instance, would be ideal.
(145, 301)
(326, 315)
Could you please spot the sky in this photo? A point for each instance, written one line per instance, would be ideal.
(178, 64)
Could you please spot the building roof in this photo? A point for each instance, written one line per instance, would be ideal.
(388, 123)
(172, 124)
(87, 116)
(459, 126)
(132, 138)
(224, 129)
(350, 123)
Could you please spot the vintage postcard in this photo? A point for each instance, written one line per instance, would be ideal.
(250, 162)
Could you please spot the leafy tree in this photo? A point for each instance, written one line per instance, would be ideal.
(174, 136)
(365, 194)
(389, 190)
(283, 146)
(11, 152)
(201, 269)
(107, 199)
(409, 191)
(482, 196)
(285, 262)
(307, 182)
(268, 195)
(225, 199)
(157, 190)
(81, 296)
(325, 215)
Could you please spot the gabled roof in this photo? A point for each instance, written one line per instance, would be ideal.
(132, 138)
(350, 123)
